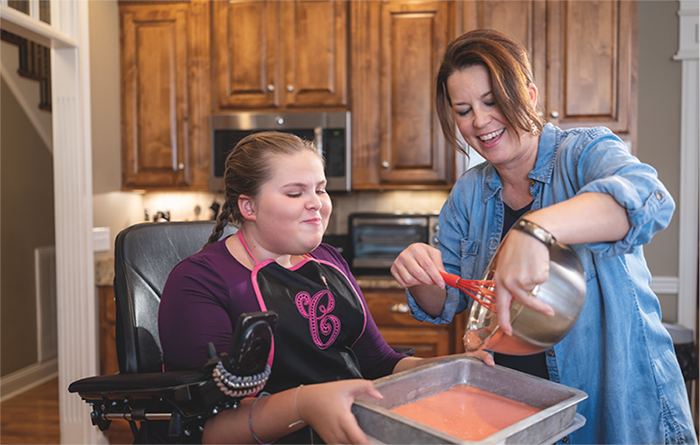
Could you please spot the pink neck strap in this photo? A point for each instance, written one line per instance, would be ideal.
(245, 246)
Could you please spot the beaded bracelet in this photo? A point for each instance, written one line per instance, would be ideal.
(250, 418)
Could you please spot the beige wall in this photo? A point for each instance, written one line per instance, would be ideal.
(111, 207)
(659, 126)
(26, 222)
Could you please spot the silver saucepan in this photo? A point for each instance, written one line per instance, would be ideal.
(533, 332)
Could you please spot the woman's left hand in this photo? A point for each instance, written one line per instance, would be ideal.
(522, 265)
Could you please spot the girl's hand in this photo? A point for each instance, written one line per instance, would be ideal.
(418, 264)
(327, 407)
(521, 266)
(482, 355)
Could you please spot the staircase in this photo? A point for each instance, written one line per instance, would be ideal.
(34, 63)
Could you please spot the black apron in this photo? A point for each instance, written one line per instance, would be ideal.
(321, 316)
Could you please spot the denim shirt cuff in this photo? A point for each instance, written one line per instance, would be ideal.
(448, 312)
(645, 218)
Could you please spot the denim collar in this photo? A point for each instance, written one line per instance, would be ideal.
(546, 151)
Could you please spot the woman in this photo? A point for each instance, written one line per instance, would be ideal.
(275, 193)
(582, 188)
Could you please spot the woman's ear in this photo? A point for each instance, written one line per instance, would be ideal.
(245, 205)
(532, 92)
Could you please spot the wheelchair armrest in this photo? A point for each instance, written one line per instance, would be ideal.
(143, 385)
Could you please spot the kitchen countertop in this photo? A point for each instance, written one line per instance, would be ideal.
(104, 272)
(377, 282)
(104, 276)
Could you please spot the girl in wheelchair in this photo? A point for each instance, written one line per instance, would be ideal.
(327, 348)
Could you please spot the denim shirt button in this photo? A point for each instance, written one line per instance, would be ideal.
(550, 353)
(565, 440)
(532, 182)
(659, 196)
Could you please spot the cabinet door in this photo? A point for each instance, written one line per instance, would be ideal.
(154, 96)
(583, 55)
(314, 43)
(523, 21)
(398, 327)
(426, 342)
(593, 64)
(246, 53)
(412, 39)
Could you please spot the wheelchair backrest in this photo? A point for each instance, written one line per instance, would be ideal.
(144, 256)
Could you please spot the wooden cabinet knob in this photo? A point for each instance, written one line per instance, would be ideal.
(555, 114)
(290, 88)
(385, 164)
(399, 308)
(270, 87)
(180, 166)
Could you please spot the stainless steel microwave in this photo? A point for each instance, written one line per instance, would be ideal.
(330, 133)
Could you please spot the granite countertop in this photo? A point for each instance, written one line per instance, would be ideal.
(377, 282)
(104, 272)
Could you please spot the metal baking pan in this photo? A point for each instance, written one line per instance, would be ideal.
(557, 402)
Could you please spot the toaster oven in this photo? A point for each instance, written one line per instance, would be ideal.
(376, 239)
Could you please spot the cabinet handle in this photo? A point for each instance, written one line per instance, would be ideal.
(555, 114)
(290, 88)
(180, 166)
(399, 308)
(385, 164)
(270, 87)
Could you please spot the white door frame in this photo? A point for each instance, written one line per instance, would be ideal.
(68, 38)
(688, 247)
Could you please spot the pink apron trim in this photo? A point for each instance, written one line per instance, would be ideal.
(258, 295)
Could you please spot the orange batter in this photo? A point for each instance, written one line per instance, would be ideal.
(466, 412)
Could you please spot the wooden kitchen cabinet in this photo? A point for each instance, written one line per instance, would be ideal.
(107, 327)
(398, 327)
(271, 54)
(165, 95)
(395, 53)
(583, 55)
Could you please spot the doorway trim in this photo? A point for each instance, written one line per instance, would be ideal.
(68, 38)
(688, 245)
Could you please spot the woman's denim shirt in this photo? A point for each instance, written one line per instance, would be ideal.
(618, 352)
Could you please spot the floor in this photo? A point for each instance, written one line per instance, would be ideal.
(32, 418)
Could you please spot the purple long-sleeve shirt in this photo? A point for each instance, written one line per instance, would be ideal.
(210, 289)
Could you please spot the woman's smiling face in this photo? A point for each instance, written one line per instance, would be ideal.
(479, 119)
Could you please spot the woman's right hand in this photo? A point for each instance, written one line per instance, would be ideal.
(418, 264)
(327, 407)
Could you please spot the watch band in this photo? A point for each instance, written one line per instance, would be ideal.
(536, 231)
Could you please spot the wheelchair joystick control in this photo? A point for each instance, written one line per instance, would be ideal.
(187, 398)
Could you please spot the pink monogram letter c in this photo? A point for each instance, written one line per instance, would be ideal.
(319, 316)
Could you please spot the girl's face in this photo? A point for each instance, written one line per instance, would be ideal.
(480, 121)
(292, 209)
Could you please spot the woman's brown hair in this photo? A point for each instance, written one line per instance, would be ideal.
(248, 168)
(508, 66)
